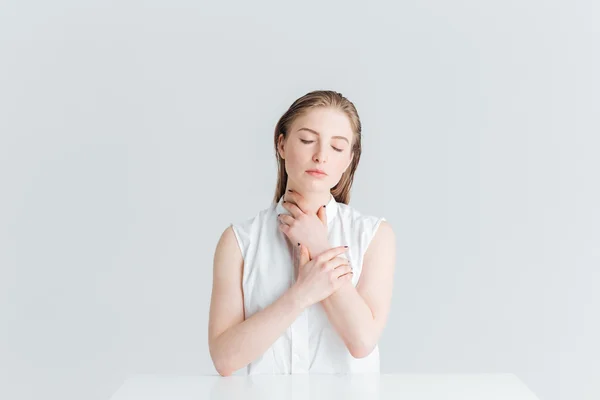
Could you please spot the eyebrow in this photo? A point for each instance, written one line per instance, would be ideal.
(317, 133)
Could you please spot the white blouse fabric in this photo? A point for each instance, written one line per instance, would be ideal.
(310, 344)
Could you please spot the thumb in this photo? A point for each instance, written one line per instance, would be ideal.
(304, 256)
(322, 215)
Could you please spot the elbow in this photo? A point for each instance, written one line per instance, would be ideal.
(223, 368)
(361, 351)
(221, 363)
(224, 372)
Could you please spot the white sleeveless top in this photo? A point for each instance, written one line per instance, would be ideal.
(311, 343)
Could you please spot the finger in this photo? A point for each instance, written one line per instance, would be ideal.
(339, 281)
(343, 270)
(283, 228)
(330, 253)
(286, 219)
(292, 208)
(342, 261)
(336, 262)
(297, 198)
(304, 256)
(347, 276)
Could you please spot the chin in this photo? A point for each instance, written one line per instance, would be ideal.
(318, 186)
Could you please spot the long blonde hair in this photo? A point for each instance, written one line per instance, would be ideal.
(312, 100)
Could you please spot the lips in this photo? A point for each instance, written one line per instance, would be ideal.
(318, 171)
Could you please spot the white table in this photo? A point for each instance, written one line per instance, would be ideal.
(317, 387)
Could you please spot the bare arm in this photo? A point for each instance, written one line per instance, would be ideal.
(359, 313)
(233, 341)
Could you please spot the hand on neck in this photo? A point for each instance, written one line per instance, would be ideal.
(314, 200)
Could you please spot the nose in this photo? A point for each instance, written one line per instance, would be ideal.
(320, 155)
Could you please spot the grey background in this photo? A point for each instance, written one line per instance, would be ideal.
(133, 133)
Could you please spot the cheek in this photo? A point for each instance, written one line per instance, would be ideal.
(338, 170)
(296, 157)
(293, 162)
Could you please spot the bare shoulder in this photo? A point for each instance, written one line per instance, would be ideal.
(384, 234)
(380, 256)
(228, 263)
(375, 284)
(228, 246)
(227, 301)
(383, 242)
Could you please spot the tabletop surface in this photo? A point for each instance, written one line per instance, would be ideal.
(482, 386)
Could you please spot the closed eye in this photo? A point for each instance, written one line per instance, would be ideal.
(310, 141)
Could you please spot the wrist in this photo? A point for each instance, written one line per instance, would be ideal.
(318, 248)
(296, 298)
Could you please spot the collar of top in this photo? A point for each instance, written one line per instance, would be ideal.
(330, 210)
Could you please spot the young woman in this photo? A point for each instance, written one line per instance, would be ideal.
(305, 285)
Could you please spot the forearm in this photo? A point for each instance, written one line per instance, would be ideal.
(352, 319)
(241, 344)
(350, 315)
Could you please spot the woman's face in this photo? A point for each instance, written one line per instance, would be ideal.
(320, 139)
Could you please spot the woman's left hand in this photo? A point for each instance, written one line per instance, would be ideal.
(302, 226)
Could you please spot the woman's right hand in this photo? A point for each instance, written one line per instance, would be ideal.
(320, 277)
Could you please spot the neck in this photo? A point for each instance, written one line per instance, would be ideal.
(314, 200)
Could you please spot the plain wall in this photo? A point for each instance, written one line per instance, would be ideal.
(133, 133)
